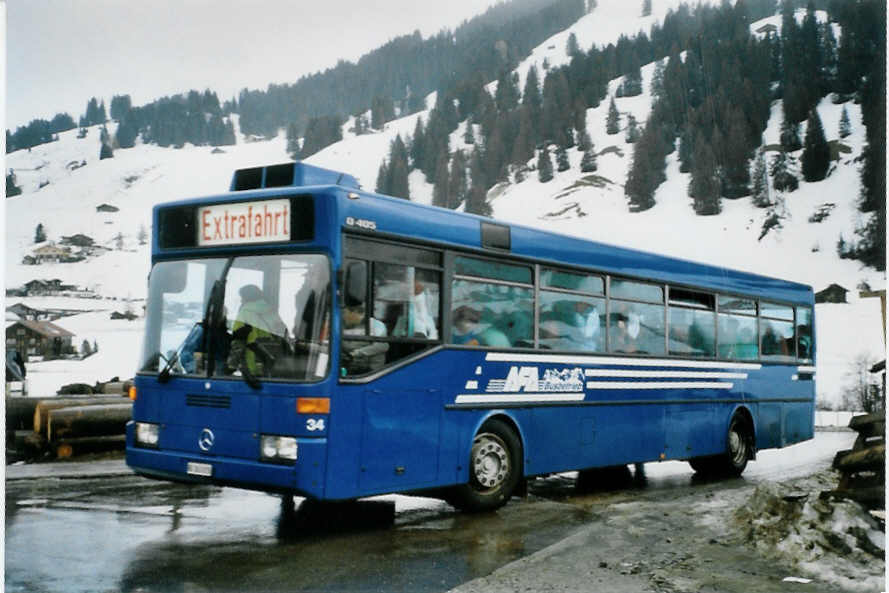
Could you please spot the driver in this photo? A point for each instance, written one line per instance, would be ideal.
(257, 327)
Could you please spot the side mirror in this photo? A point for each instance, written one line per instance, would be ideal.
(356, 283)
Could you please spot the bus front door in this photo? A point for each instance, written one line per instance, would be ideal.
(400, 438)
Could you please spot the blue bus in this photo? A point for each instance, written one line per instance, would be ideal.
(309, 338)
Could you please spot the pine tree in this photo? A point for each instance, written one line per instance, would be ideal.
(142, 235)
(293, 141)
(127, 132)
(457, 182)
(523, 145)
(507, 95)
(395, 182)
(632, 132)
(417, 140)
(572, 48)
(584, 143)
(532, 99)
(382, 110)
(120, 106)
(105, 151)
(735, 156)
(761, 197)
(704, 187)
(612, 122)
(469, 134)
(657, 79)
(11, 188)
(476, 199)
(562, 163)
(442, 177)
(686, 151)
(588, 162)
(845, 124)
(544, 165)
(782, 178)
(789, 134)
(816, 152)
(632, 83)
(643, 176)
(382, 186)
(39, 234)
(646, 7)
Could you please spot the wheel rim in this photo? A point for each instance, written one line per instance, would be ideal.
(490, 461)
(737, 447)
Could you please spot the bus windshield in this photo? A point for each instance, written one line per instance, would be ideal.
(256, 317)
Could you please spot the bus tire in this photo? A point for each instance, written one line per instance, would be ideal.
(495, 463)
(739, 446)
(739, 449)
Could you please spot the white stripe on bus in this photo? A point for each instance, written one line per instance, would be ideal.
(607, 360)
(658, 385)
(508, 398)
(634, 374)
(806, 370)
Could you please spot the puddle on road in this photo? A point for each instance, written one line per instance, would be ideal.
(167, 537)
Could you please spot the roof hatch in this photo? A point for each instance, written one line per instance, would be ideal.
(289, 175)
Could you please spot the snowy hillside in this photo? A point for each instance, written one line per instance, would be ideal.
(63, 198)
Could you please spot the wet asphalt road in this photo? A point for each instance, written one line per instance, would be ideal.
(127, 533)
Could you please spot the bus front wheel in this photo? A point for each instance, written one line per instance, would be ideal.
(495, 463)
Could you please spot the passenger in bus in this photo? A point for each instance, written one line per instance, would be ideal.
(465, 330)
(361, 356)
(258, 333)
(625, 330)
(772, 343)
(417, 321)
(582, 319)
(728, 339)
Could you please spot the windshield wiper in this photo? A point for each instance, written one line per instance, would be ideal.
(165, 373)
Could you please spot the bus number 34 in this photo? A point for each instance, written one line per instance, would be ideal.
(313, 424)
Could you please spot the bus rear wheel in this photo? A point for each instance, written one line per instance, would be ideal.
(739, 449)
(495, 463)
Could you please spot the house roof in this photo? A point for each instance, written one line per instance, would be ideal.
(44, 328)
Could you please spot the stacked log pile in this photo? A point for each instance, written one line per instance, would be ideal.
(62, 426)
(862, 467)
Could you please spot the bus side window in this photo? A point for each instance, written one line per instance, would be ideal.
(505, 314)
(804, 332)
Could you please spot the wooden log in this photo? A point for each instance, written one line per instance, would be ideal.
(88, 421)
(76, 446)
(871, 458)
(874, 497)
(20, 412)
(41, 411)
(865, 419)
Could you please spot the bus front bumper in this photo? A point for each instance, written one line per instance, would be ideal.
(305, 477)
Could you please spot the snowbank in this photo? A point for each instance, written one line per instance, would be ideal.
(835, 542)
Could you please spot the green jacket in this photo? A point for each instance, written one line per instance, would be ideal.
(265, 325)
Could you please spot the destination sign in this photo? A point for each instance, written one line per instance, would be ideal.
(243, 223)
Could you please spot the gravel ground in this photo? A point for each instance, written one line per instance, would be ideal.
(745, 539)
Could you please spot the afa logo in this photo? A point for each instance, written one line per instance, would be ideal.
(527, 379)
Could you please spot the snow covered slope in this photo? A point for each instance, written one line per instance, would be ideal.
(591, 206)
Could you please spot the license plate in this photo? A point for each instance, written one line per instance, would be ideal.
(199, 469)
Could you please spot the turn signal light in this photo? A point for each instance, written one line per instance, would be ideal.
(313, 405)
(132, 392)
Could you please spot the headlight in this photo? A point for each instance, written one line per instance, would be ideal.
(147, 434)
(277, 449)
